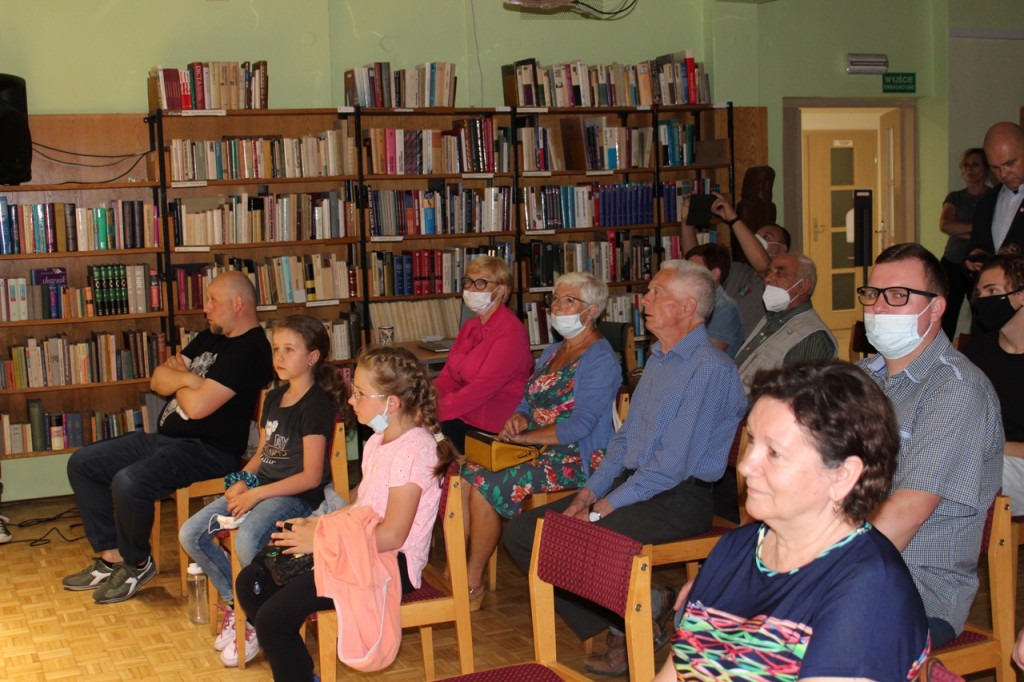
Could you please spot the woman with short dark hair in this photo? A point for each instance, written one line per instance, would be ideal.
(812, 591)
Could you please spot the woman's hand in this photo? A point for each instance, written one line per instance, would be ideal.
(296, 535)
(515, 425)
(233, 491)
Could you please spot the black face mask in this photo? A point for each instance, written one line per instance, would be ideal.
(992, 312)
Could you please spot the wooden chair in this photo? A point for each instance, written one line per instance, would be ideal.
(597, 564)
(620, 408)
(436, 601)
(339, 477)
(623, 341)
(182, 498)
(978, 649)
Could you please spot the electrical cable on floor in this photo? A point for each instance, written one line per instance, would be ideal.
(71, 513)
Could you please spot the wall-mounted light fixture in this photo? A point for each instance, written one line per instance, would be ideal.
(867, 63)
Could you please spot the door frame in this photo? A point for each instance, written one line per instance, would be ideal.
(792, 160)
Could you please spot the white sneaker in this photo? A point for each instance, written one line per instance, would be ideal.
(229, 657)
(227, 628)
(5, 535)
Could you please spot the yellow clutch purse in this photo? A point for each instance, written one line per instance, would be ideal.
(489, 452)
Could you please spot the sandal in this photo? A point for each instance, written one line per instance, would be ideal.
(476, 598)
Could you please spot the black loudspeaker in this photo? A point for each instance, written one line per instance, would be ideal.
(15, 138)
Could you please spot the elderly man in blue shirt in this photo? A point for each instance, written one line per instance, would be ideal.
(656, 479)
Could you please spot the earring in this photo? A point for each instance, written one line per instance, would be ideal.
(837, 507)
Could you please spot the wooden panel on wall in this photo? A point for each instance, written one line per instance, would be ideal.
(750, 125)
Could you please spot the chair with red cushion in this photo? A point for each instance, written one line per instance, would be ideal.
(596, 564)
(979, 649)
(438, 600)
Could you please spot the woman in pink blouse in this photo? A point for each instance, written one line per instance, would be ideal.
(490, 362)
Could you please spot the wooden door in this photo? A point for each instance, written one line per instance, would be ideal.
(835, 163)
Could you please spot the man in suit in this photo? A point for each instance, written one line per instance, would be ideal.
(999, 217)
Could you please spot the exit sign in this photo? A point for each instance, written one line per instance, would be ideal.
(899, 82)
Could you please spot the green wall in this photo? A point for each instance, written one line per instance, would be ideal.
(93, 57)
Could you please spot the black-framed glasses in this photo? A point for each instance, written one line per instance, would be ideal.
(478, 284)
(894, 296)
(566, 300)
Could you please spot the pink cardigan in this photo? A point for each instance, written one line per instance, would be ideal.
(364, 584)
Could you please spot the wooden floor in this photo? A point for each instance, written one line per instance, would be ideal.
(47, 633)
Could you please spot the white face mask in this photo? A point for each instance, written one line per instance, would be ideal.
(764, 242)
(776, 299)
(379, 424)
(894, 336)
(567, 325)
(478, 301)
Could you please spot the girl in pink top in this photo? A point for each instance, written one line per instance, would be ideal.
(402, 462)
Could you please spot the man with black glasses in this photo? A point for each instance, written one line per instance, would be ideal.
(950, 460)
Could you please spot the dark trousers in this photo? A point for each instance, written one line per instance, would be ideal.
(455, 430)
(674, 514)
(278, 611)
(117, 481)
(961, 284)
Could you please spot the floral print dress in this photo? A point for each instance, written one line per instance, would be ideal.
(551, 400)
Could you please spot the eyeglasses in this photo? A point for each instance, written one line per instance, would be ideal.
(478, 284)
(894, 296)
(356, 395)
(566, 300)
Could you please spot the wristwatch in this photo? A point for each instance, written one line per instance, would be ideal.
(594, 516)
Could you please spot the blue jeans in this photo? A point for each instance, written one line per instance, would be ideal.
(116, 482)
(252, 536)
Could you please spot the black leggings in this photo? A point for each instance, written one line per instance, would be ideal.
(277, 613)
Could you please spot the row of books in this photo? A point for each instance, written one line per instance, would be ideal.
(626, 308)
(210, 85)
(431, 84)
(471, 145)
(345, 333)
(555, 207)
(413, 320)
(583, 144)
(455, 210)
(116, 289)
(57, 431)
(425, 271)
(59, 361)
(56, 227)
(250, 219)
(330, 153)
(538, 324)
(670, 79)
(308, 278)
(620, 258)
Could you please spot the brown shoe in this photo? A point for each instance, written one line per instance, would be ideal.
(662, 629)
(476, 598)
(614, 660)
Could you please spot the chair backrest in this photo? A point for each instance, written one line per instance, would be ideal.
(338, 453)
(569, 549)
(860, 347)
(597, 564)
(621, 337)
(999, 548)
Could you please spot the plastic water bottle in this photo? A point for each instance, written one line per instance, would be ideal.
(198, 606)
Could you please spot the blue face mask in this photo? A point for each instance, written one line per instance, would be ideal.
(379, 424)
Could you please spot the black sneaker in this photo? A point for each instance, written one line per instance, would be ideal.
(124, 582)
(89, 578)
(5, 535)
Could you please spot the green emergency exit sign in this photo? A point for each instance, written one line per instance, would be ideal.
(899, 82)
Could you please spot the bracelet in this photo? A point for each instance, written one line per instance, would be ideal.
(732, 222)
(246, 477)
